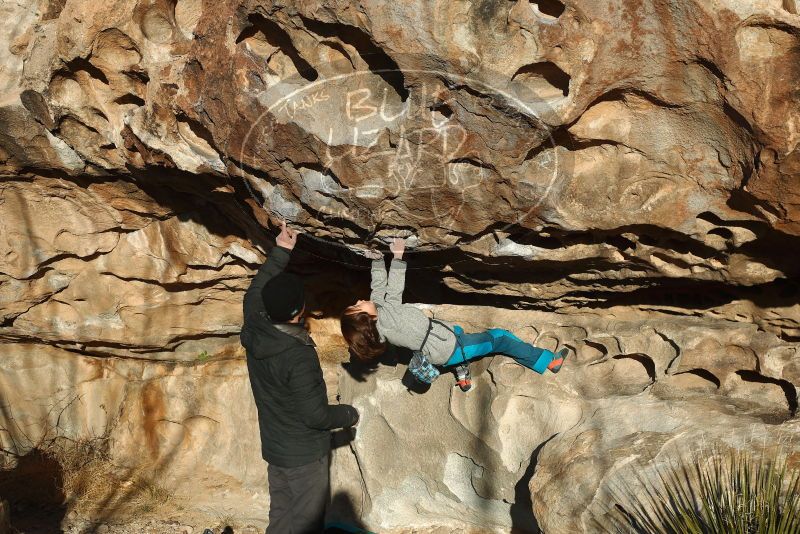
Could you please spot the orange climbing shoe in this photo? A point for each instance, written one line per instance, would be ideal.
(463, 378)
(561, 355)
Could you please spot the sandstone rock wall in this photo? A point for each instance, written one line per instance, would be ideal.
(622, 174)
(611, 145)
(643, 392)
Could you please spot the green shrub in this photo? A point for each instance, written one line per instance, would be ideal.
(730, 493)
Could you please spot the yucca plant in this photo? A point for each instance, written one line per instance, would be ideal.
(730, 493)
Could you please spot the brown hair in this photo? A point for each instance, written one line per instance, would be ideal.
(361, 334)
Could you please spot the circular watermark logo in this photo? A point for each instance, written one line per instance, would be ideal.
(358, 155)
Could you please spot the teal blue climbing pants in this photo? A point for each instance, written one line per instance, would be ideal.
(498, 341)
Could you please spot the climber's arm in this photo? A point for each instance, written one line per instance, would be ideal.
(378, 282)
(397, 272)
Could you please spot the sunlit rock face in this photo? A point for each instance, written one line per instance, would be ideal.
(622, 174)
(626, 142)
(642, 392)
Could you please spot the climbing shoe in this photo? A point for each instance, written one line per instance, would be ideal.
(463, 377)
(558, 361)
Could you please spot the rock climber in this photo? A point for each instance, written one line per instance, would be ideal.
(368, 325)
(294, 416)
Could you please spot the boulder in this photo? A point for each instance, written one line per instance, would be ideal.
(618, 177)
(527, 451)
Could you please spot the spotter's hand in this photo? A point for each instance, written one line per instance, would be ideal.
(287, 238)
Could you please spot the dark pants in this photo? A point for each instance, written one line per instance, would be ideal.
(298, 497)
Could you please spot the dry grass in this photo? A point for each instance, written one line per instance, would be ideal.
(94, 487)
(81, 471)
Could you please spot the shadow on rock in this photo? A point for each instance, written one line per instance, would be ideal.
(34, 490)
(522, 519)
(342, 517)
(393, 356)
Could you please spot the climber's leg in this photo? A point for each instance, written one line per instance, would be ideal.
(498, 340)
(524, 353)
(476, 346)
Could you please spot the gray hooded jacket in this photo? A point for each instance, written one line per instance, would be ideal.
(405, 325)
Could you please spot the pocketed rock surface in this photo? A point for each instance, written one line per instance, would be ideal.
(620, 177)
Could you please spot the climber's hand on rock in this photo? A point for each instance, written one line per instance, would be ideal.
(373, 254)
(398, 246)
(287, 238)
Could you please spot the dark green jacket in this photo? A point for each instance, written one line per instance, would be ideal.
(294, 416)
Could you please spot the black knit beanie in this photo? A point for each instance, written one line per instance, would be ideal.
(283, 297)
